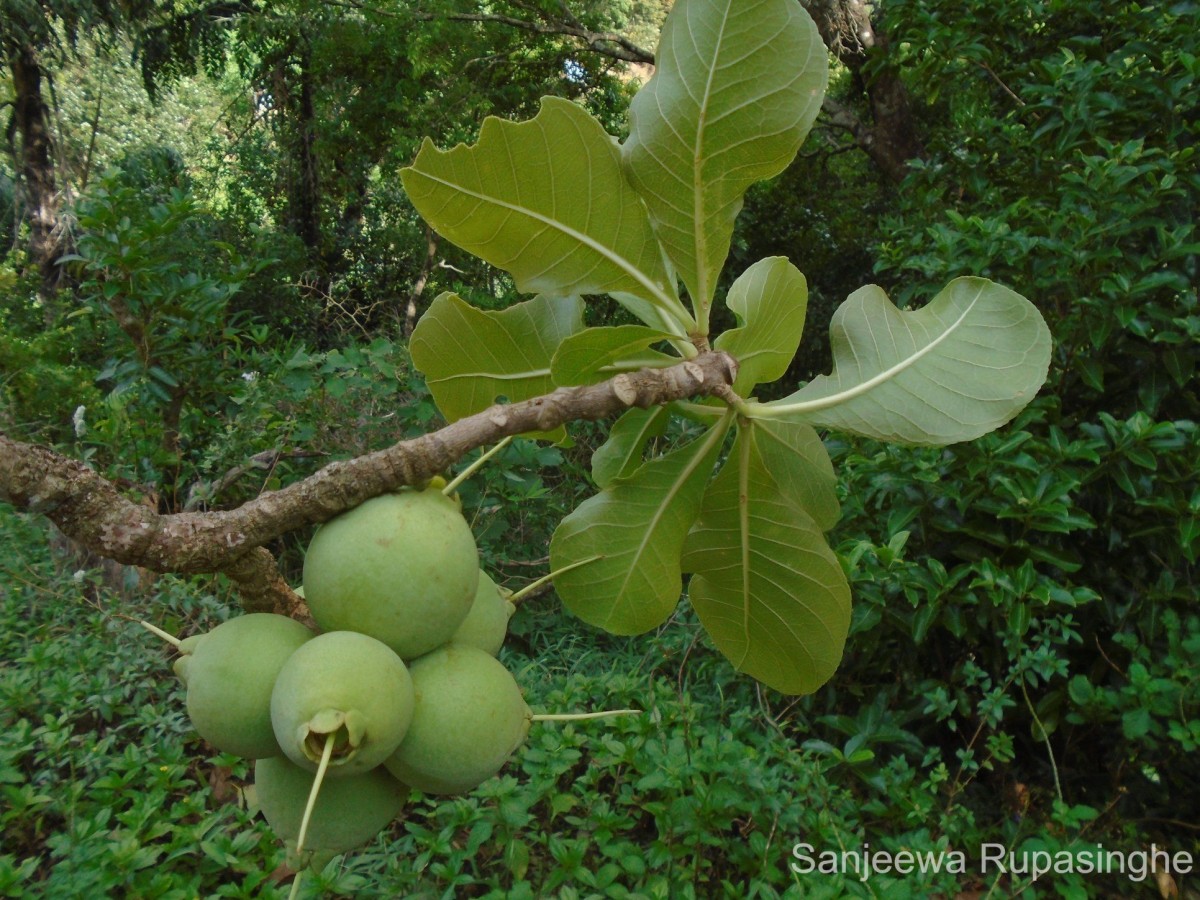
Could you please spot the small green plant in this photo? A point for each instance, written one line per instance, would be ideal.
(158, 286)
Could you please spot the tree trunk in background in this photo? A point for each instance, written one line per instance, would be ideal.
(297, 132)
(411, 311)
(891, 138)
(35, 166)
(308, 200)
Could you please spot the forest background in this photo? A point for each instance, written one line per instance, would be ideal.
(242, 272)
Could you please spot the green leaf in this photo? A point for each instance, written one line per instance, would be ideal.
(636, 527)
(598, 353)
(161, 375)
(736, 88)
(621, 454)
(654, 316)
(770, 300)
(472, 357)
(796, 459)
(766, 586)
(958, 368)
(546, 201)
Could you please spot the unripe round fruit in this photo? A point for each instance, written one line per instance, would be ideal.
(469, 718)
(349, 811)
(401, 567)
(487, 623)
(230, 673)
(348, 685)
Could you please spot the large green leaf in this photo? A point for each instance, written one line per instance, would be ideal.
(951, 371)
(766, 586)
(598, 353)
(634, 530)
(796, 459)
(473, 357)
(621, 454)
(770, 300)
(546, 201)
(736, 87)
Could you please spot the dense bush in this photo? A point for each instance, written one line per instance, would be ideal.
(107, 789)
(1034, 591)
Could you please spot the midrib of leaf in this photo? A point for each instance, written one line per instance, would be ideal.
(743, 501)
(698, 230)
(715, 434)
(669, 304)
(499, 376)
(858, 390)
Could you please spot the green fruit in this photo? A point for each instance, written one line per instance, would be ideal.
(487, 623)
(230, 673)
(348, 685)
(349, 811)
(469, 718)
(402, 568)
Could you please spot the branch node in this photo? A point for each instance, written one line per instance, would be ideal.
(626, 391)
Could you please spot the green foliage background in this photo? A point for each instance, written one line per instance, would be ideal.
(1024, 657)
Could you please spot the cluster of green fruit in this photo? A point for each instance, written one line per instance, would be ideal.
(400, 690)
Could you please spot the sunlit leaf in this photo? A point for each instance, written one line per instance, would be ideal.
(767, 588)
(736, 87)
(621, 454)
(473, 357)
(546, 201)
(636, 526)
(770, 300)
(598, 353)
(951, 371)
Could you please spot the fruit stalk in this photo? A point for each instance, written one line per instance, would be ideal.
(524, 592)
(158, 632)
(575, 717)
(318, 779)
(474, 467)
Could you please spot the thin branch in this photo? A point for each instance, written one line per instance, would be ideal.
(606, 43)
(204, 492)
(996, 78)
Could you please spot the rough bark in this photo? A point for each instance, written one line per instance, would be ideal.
(92, 511)
(35, 162)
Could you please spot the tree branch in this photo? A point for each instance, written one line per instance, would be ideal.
(605, 43)
(92, 510)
